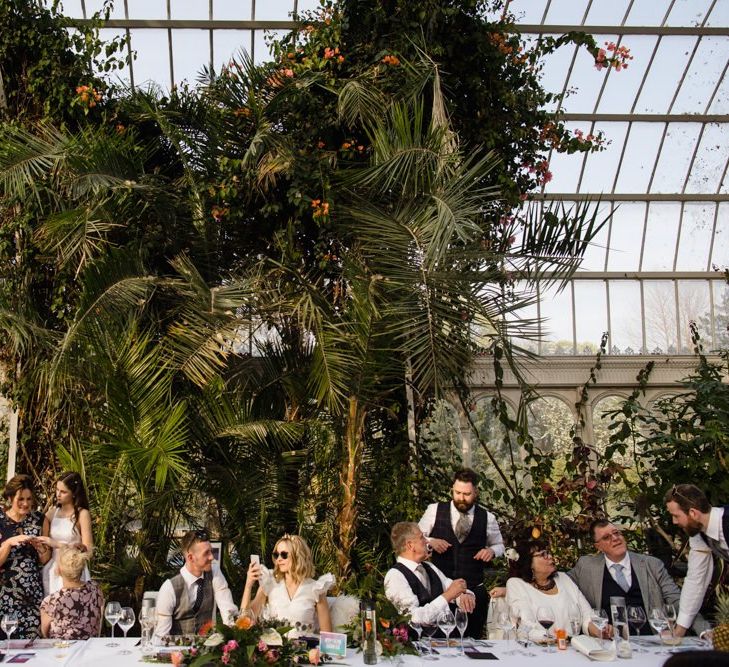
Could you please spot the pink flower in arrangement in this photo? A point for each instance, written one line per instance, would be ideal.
(225, 658)
(400, 633)
(314, 656)
(271, 656)
(231, 645)
(262, 646)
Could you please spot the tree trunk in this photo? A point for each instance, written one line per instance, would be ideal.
(349, 479)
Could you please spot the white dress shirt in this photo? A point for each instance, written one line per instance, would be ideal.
(398, 591)
(700, 569)
(166, 599)
(493, 534)
(627, 570)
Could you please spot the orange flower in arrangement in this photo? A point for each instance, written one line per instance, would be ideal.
(206, 627)
(346, 146)
(385, 623)
(176, 658)
(391, 60)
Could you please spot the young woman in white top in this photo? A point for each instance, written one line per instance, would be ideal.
(69, 522)
(536, 583)
(290, 592)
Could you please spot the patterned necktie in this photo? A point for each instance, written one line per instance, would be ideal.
(463, 526)
(199, 595)
(619, 576)
(423, 576)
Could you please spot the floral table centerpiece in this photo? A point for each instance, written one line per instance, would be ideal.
(393, 637)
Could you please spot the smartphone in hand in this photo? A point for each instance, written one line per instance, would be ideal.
(255, 559)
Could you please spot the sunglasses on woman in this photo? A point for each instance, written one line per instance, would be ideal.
(280, 554)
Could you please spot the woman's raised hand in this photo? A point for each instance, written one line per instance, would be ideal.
(254, 573)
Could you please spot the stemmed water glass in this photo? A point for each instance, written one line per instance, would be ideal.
(418, 628)
(669, 611)
(112, 613)
(599, 619)
(506, 624)
(461, 624)
(447, 623)
(429, 628)
(658, 621)
(575, 620)
(126, 621)
(147, 621)
(636, 621)
(545, 618)
(8, 624)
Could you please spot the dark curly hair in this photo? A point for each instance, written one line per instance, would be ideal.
(522, 567)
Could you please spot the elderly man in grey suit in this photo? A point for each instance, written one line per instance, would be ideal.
(642, 580)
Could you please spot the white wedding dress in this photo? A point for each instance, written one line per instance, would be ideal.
(301, 608)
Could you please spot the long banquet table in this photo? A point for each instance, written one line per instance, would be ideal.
(95, 653)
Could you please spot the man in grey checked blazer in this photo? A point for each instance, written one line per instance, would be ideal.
(643, 580)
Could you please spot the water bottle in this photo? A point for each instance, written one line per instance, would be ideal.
(369, 632)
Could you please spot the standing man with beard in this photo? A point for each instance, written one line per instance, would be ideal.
(708, 530)
(464, 537)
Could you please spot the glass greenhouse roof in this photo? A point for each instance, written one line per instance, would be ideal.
(663, 174)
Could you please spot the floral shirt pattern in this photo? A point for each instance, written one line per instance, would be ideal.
(75, 612)
(22, 583)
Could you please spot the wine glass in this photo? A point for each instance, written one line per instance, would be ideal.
(112, 612)
(9, 623)
(599, 619)
(669, 611)
(545, 618)
(658, 621)
(126, 621)
(429, 628)
(447, 623)
(636, 621)
(461, 624)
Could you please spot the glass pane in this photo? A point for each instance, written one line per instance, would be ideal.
(720, 253)
(665, 74)
(660, 237)
(554, 71)
(600, 420)
(71, 8)
(694, 305)
(117, 12)
(550, 421)
(703, 75)
(626, 332)
(586, 79)
(190, 11)
(232, 10)
(675, 157)
(441, 431)
(721, 315)
(529, 12)
(622, 87)
(688, 12)
(660, 316)
(191, 51)
(648, 12)
(566, 12)
(693, 246)
(152, 64)
(490, 434)
(274, 10)
(123, 75)
(147, 9)
(228, 44)
(556, 310)
(594, 259)
(721, 98)
(590, 315)
(601, 167)
(626, 236)
(607, 13)
(261, 50)
(711, 158)
(525, 329)
(639, 158)
(565, 168)
(719, 16)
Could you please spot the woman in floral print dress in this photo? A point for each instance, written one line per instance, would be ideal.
(22, 556)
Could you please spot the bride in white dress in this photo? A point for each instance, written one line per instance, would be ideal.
(69, 522)
(290, 592)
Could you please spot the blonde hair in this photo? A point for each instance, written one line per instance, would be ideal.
(302, 563)
(72, 559)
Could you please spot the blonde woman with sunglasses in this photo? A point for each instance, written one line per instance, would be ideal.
(289, 592)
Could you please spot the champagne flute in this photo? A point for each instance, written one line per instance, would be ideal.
(447, 623)
(636, 621)
(126, 621)
(112, 612)
(545, 618)
(461, 624)
(599, 619)
(429, 628)
(9, 623)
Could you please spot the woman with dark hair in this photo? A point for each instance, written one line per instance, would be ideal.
(21, 556)
(68, 522)
(536, 583)
(290, 592)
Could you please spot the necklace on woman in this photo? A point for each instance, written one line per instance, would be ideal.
(551, 583)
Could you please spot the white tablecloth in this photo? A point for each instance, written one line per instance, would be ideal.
(95, 653)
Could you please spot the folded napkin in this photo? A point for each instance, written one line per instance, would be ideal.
(590, 647)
